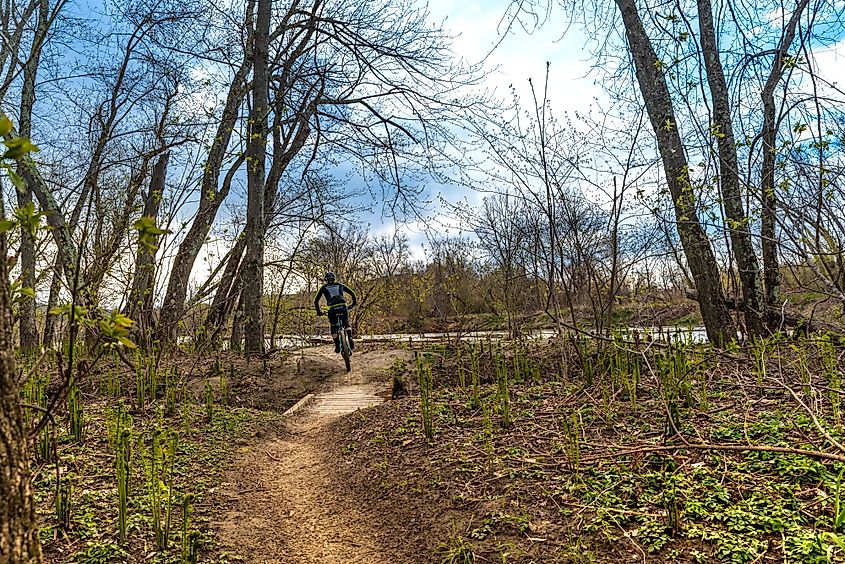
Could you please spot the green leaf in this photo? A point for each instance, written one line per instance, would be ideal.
(148, 232)
(6, 225)
(29, 219)
(5, 126)
(18, 147)
(127, 343)
(16, 179)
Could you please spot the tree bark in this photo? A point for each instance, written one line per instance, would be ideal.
(699, 254)
(254, 233)
(55, 219)
(237, 339)
(28, 324)
(18, 524)
(739, 225)
(140, 305)
(226, 294)
(768, 192)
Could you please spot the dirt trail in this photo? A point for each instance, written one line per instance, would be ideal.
(286, 507)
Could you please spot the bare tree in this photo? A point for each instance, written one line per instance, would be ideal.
(253, 265)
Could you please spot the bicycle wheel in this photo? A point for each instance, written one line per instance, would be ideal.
(344, 349)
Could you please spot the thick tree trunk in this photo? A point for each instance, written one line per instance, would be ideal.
(768, 192)
(699, 255)
(28, 324)
(18, 525)
(229, 287)
(55, 219)
(254, 234)
(739, 225)
(140, 305)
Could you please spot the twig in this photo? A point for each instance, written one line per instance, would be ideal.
(43, 410)
(731, 448)
(812, 415)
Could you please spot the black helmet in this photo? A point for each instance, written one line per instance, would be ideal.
(329, 277)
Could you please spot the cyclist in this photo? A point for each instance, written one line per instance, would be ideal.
(333, 292)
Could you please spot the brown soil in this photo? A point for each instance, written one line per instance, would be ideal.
(274, 384)
(291, 502)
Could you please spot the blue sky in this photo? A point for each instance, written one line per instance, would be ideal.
(513, 58)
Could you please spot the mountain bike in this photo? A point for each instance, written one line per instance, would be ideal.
(343, 335)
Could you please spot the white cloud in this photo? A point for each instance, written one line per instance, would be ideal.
(521, 55)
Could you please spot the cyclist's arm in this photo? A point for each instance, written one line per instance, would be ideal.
(317, 298)
(351, 293)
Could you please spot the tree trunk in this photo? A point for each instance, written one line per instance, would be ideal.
(18, 524)
(702, 263)
(140, 305)
(55, 219)
(253, 266)
(237, 339)
(739, 225)
(50, 319)
(768, 192)
(227, 293)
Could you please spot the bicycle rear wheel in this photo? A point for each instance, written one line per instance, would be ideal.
(344, 349)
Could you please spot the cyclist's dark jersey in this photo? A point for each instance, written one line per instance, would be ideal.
(334, 295)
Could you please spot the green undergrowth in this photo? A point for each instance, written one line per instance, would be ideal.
(587, 463)
(130, 468)
(92, 531)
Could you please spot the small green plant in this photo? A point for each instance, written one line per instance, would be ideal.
(64, 493)
(123, 464)
(113, 385)
(46, 446)
(35, 393)
(838, 506)
(458, 551)
(503, 395)
(186, 407)
(208, 394)
(475, 368)
(224, 389)
(140, 384)
(153, 380)
(426, 401)
(76, 413)
(189, 553)
(160, 484)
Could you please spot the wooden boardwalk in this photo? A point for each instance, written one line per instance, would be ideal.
(345, 399)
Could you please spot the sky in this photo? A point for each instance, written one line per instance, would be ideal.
(513, 58)
(520, 55)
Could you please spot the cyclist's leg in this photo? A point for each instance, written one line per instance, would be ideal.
(333, 324)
